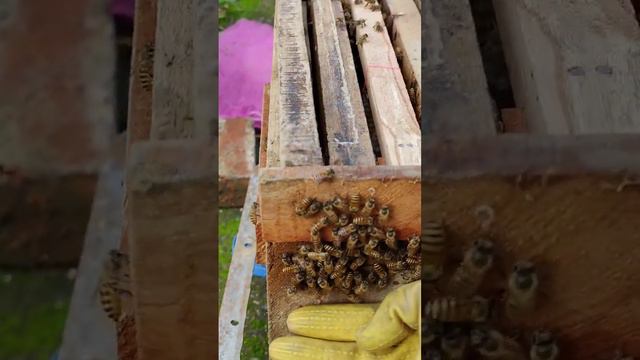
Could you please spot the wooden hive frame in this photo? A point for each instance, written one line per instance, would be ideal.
(564, 194)
(314, 120)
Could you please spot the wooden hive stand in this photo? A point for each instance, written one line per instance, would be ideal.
(564, 192)
(334, 104)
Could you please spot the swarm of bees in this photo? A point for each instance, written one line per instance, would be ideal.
(364, 251)
(458, 322)
(115, 285)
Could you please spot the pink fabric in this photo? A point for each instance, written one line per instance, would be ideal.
(244, 56)
(123, 8)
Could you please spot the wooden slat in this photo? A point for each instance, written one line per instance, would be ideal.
(396, 124)
(299, 141)
(348, 137)
(574, 67)
(172, 226)
(404, 18)
(264, 128)
(236, 292)
(236, 160)
(273, 131)
(281, 189)
(173, 71)
(205, 82)
(456, 98)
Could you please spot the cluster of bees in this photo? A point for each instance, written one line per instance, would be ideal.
(364, 251)
(115, 285)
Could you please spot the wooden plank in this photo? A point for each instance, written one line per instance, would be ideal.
(573, 67)
(172, 227)
(281, 189)
(88, 333)
(273, 131)
(236, 161)
(205, 81)
(396, 124)
(173, 71)
(404, 18)
(347, 133)
(456, 97)
(513, 120)
(264, 128)
(299, 141)
(236, 295)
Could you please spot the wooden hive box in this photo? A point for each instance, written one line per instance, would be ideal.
(564, 192)
(334, 104)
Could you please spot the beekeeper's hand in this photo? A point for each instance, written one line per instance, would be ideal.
(389, 330)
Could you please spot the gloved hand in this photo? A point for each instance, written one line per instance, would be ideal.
(389, 330)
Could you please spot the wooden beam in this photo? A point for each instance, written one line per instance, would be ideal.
(404, 20)
(205, 82)
(396, 124)
(172, 227)
(299, 141)
(236, 292)
(348, 137)
(264, 128)
(273, 131)
(236, 160)
(281, 189)
(573, 69)
(173, 71)
(456, 97)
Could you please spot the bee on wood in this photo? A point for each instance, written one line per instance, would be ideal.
(433, 250)
(303, 206)
(454, 344)
(313, 209)
(368, 207)
(397, 266)
(413, 248)
(145, 69)
(390, 239)
(326, 175)
(354, 298)
(413, 261)
(291, 268)
(332, 216)
(115, 285)
(321, 224)
(340, 268)
(332, 250)
(544, 346)
(450, 309)
(522, 289)
(340, 22)
(470, 273)
(362, 39)
(352, 244)
(328, 265)
(382, 283)
(493, 345)
(363, 220)
(311, 282)
(412, 275)
(339, 203)
(304, 250)
(323, 283)
(287, 260)
(318, 256)
(292, 290)
(315, 239)
(253, 213)
(378, 27)
(347, 281)
(358, 262)
(361, 288)
(380, 271)
(374, 7)
(383, 214)
(343, 220)
(354, 203)
(299, 278)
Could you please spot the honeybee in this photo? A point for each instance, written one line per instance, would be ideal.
(323, 283)
(493, 345)
(352, 244)
(335, 236)
(380, 271)
(522, 289)
(332, 216)
(354, 203)
(412, 275)
(374, 7)
(544, 346)
(382, 283)
(115, 285)
(450, 309)
(354, 298)
(362, 39)
(299, 278)
(340, 268)
(313, 209)
(368, 207)
(326, 175)
(363, 220)
(291, 268)
(332, 250)
(347, 281)
(377, 233)
(413, 261)
(304, 250)
(361, 288)
(470, 273)
(343, 220)
(145, 69)
(454, 344)
(318, 256)
(303, 206)
(287, 260)
(413, 248)
(390, 239)
(344, 232)
(291, 290)
(433, 250)
(315, 239)
(310, 269)
(388, 256)
(311, 282)
(362, 236)
(360, 22)
(339, 204)
(358, 262)
(328, 265)
(383, 214)
(378, 27)
(253, 213)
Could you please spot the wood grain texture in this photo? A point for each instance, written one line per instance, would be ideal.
(205, 81)
(172, 227)
(456, 97)
(273, 131)
(281, 189)
(173, 71)
(345, 123)
(264, 128)
(574, 65)
(299, 141)
(404, 20)
(236, 291)
(395, 120)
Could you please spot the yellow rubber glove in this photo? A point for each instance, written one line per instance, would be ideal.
(389, 330)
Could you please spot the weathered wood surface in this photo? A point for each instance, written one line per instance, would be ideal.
(205, 67)
(456, 97)
(396, 124)
(88, 333)
(236, 292)
(343, 115)
(236, 161)
(281, 189)
(404, 20)
(574, 66)
(172, 231)
(264, 128)
(273, 131)
(173, 71)
(299, 141)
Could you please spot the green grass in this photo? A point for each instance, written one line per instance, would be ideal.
(230, 11)
(33, 310)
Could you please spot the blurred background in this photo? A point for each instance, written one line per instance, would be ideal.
(64, 70)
